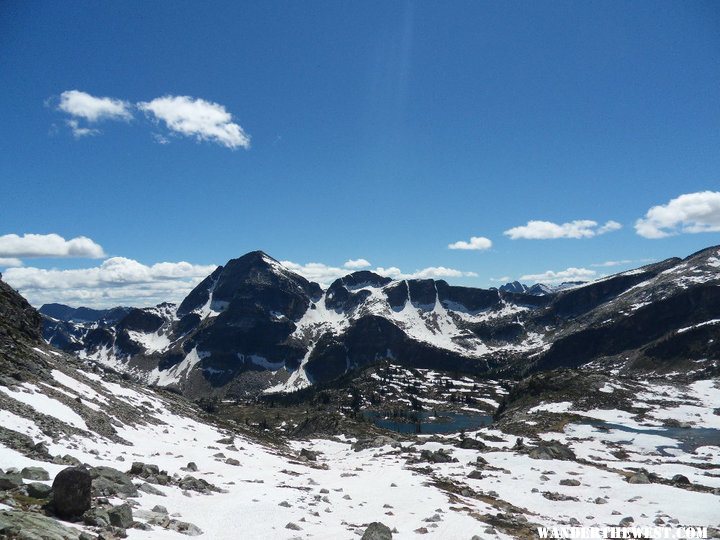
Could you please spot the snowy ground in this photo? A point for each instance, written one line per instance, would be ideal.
(344, 490)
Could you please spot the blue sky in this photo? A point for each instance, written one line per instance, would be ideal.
(382, 131)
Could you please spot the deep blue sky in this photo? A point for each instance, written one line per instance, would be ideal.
(381, 130)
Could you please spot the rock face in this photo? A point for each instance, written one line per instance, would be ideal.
(14, 524)
(71, 492)
(254, 323)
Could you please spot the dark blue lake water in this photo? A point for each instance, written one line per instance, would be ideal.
(425, 422)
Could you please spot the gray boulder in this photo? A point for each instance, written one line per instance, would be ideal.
(38, 490)
(152, 490)
(35, 473)
(551, 450)
(97, 517)
(107, 482)
(639, 478)
(121, 516)
(377, 531)
(10, 480)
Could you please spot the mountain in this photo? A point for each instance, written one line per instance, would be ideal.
(254, 326)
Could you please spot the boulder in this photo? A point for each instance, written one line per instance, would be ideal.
(308, 454)
(96, 517)
(71, 492)
(569, 482)
(35, 473)
(190, 483)
(10, 480)
(638, 478)
(107, 481)
(680, 479)
(377, 531)
(551, 450)
(143, 469)
(149, 488)
(439, 456)
(121, 516)
(38, 490)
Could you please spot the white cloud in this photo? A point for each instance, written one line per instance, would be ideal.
(545, 230)
(607, 264)
(475, 243)
(93, 109)
(48, 245)
(688, 213)
(116, 281)
(434, 272)
(7, 262)
(160, 139)
(570, 274)
(318, 272)
(79, 131)
(325, 275)
(356, 264)
(196, 117)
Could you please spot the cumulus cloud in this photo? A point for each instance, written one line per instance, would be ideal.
(116, 281)
(195, 117)
(93, 109)
(545, 230)
(689, 213)
(325, 274)
(318, 272)
(48, 245)
(434, 272)
(182, 115)
(475, 243)
(569, 274)
(356, 264)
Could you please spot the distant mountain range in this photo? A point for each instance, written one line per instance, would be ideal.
(254, 326)
(539, 289)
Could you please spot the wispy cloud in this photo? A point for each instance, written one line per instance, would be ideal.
(689, 213)
(117, 281)
(478, 243)
(608, 264)
(195, 117)
(569, 274)
(48, 245)
(79, 131)
(547, 230)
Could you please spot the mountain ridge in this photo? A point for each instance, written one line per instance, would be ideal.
(255, 326)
